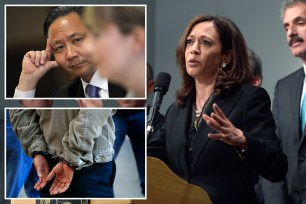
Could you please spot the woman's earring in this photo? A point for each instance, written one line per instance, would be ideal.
(224, 65)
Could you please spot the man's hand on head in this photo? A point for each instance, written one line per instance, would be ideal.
(35, 65)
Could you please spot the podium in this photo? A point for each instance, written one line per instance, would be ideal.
(163, 187)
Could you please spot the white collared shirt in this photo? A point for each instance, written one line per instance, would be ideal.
(24, 94)
(97, 81)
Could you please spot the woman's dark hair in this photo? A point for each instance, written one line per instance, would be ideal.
(236, 72)
(60, 12)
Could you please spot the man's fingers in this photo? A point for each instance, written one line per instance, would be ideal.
(37, 184)
(31, 55)
(41, 183)
(44, 57)
(37, 58)
(64, 188)
(53, 64)
(59, 188)
(54, 184)
(48, 48)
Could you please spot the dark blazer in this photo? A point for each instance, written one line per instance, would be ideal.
(74, 89)
(286, 111)
(216, 166)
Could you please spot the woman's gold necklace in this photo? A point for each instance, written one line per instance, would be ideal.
(199, 113)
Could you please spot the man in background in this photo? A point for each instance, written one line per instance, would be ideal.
(256, 67)
(289, 110)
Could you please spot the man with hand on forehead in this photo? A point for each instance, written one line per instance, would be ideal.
(72, 44)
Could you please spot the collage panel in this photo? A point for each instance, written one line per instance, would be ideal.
(75, 51)
(62, 153)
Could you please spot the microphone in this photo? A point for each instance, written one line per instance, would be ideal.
(161, 87)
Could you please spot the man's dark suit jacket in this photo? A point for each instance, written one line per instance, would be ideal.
(286, 111)
(74, 89)
(216, 166)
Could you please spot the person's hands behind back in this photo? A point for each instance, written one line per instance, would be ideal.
(42, 168)
(35, 65)
(63, 177)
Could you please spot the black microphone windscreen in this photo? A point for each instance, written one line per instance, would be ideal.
(163, 81)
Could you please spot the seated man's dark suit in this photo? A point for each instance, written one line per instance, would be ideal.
(75, 89)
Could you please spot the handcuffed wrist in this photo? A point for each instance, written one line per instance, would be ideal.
(65, 162)
(39, 153)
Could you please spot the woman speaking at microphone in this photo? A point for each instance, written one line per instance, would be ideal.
(220, 128)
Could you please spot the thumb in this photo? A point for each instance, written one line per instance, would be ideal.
(50, 175)
(53, 64)
(48, 48)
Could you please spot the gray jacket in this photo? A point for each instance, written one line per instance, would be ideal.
(80, 137)
(286, 111)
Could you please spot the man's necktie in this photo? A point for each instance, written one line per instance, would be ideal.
(303, 113)
(92, 91)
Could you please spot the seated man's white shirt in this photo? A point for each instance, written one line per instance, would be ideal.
(24, 94)
(96, 80)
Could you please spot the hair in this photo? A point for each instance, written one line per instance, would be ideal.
(288, 4)
(255, 63)
(150, 73)
(126, 17)
(236, 72)
(58, 12)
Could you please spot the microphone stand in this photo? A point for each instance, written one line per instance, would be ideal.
(152, 119)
